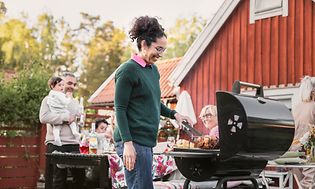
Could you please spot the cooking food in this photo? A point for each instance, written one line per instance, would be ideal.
(206, 142)
(203, 142)
(182, 143)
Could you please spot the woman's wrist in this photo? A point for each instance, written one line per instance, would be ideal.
(128, 143)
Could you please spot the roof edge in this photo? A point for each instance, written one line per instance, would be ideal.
(100, 89)
(111, 77)
(111, 103)
(202, 42)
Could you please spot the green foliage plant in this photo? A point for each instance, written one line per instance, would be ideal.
(21, 97)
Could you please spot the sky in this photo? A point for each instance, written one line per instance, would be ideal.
(121, 12)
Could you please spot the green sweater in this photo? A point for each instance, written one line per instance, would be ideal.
(138, 104)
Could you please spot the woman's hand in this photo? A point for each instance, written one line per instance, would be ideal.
(129, 155)
(180, 118)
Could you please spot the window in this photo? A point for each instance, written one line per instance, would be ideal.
(260, 9)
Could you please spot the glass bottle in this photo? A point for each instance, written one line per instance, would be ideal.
(84, 145)
(82, 114)
(92, 140)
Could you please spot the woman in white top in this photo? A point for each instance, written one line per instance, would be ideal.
(303, 111)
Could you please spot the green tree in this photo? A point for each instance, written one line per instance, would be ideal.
(182, 35)
(21, 45)
(106, 50)
(21, 98)
(3, 9)
(49, 42)
(46, 33)
(67, 53)
(17, 44)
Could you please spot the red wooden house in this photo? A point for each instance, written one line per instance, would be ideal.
(268, 42)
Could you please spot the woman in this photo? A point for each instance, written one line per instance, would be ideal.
(303, 111)
(208, 115)
(138, 103)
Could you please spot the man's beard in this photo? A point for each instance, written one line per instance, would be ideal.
(69, 89)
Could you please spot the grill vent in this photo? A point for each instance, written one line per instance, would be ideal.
(235, 124)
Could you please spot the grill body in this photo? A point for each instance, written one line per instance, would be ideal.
(252, 130)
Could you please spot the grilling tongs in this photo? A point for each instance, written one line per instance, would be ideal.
(190, 131)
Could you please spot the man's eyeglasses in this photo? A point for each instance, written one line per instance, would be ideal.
(71, 83)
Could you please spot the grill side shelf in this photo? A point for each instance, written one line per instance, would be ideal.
(194, 153)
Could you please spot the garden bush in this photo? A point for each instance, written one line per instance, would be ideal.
(20, 98)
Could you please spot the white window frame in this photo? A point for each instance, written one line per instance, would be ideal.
(267, 14)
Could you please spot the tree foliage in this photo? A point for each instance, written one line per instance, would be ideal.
(3, 9)
(105, 52)
(20, 98)
(48, 41)
(67, 52)
(57, 44)
(93, 51)
(45, 32)
(182, 35)
(18, 46)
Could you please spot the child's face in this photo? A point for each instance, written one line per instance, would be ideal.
(101, 128)
(59, 86)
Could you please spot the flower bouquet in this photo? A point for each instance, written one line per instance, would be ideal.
(308, 143)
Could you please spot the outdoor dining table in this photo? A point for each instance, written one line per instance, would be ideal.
(113, 176)
(289, 168)
(78, 160)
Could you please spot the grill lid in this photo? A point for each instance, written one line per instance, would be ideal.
(253, 125)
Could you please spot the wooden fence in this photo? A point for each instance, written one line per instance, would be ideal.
(19, 161)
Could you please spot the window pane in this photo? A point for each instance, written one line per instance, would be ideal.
(266, 5)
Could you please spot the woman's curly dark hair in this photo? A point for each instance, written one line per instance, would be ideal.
(146, 28)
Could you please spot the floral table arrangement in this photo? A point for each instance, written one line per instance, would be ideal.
(308, 143)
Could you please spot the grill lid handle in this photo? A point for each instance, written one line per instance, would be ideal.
(237, 88)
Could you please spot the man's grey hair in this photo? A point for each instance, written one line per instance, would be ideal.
(65, 74)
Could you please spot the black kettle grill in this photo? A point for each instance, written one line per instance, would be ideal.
(252, 130)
